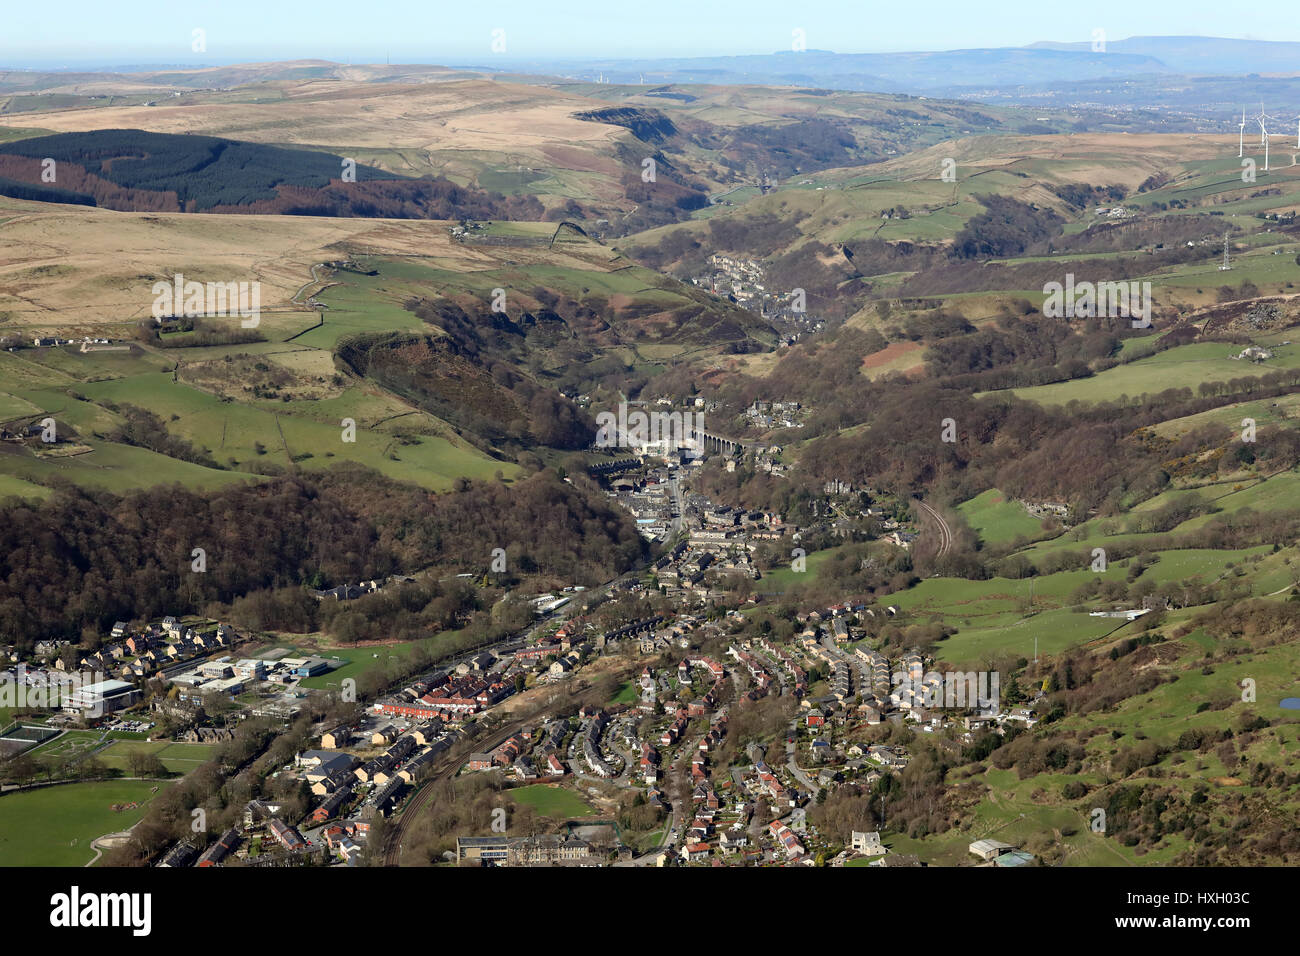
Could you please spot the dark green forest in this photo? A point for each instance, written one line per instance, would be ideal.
(20, 190)
(133, 170)
(204, 170)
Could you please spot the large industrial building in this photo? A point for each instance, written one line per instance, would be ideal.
(100, 698)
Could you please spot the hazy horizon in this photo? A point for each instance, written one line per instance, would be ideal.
(97, 36)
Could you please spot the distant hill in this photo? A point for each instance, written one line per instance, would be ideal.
(127, 79)
(1216, 55)
(1182, 76)
(577, 148)
(878, 72)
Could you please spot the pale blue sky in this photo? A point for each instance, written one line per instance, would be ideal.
(102, 32)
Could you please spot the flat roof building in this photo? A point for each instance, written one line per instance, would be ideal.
(251, 669)
(312, 666)
(102, 697)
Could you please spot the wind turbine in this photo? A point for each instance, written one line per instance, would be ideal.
(1297, 132)
(1263, 136)
(1241, 135)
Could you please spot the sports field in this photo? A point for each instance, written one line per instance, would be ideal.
(179, 758)
(66, 747)
(552, 801)
(361, 660)
(53, 826)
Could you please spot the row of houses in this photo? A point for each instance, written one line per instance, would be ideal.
(593, 729)
(797, 674)
(446, 699)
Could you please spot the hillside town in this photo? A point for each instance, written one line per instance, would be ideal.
(667, 741)
(744, 282)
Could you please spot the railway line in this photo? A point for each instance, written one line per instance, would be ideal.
(945, 532)
(424, 792)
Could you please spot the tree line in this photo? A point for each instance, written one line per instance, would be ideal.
(73, 565)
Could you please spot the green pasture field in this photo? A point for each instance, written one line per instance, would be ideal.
(995, 617)
(962, 598)
(355, 307)
(92, 366)
(118, 468)
(1284, 409)
(362, 660)
(1185, 366)
(12, 485)
(512, 181)
(1137, 344)
(11, 406)
(232, 430)
(1104, 532)
(997, 520)
(1168, 710)
(1270, 268)
(364, 303)
(21, 370)
(69, 412)
(783, 578)
(9, 134)
(1202, 563)
(1056, 629)
(1008, 813)
(1032, 813)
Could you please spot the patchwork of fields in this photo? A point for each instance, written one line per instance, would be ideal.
(287, 402)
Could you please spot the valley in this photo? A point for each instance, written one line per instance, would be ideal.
(364, 552)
